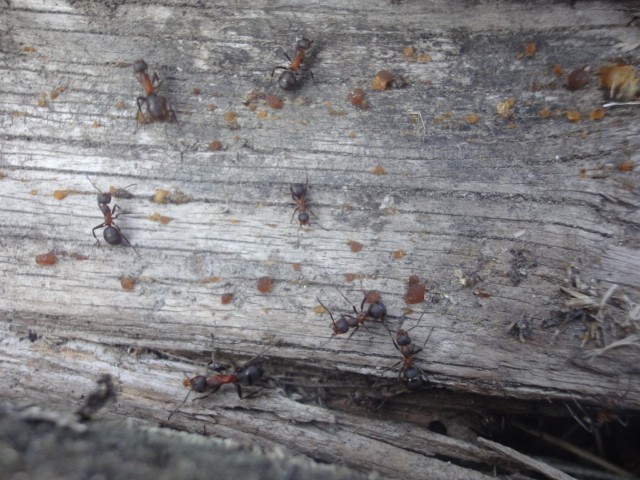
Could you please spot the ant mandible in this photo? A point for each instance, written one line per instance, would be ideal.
(288, 79)
(112, 233)
(157, 106)
(248, 375)
(299, 196)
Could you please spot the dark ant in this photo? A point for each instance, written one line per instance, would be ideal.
(248, 375)
(157, 106)
(299, 196)
(112, 233)
(369, 402)
(612, 410)
(288, 79)
(377, 310)
(411, 375)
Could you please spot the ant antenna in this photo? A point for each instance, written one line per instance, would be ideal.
(185, 398)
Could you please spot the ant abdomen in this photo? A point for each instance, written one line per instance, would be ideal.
(250, 375)
(377, 310)
(287, 81)
(112, 235)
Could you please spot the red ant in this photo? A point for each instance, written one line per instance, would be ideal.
(377, 310)
(157, 106)
(248, 375)
(299, 196)
(288, 79)
(112, 233)
(412, 376)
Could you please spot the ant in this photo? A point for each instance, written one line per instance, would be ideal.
(368, 401)
(157, 106)
(288, 79)
(411, 375)
(112, 233)
(299, 196)
(248, 375)
(377, 310)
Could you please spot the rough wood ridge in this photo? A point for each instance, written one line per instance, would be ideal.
(524, 229)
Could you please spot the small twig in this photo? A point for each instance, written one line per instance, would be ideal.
(620, 104)
(631, 340)
(605, 299)
(537, 465)
(573, 449)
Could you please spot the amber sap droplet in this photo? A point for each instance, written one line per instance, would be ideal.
(127, 283)
(355, 246)
(415, 293)
(398, 254)
(356, 98)
(372, 296)
(578, 79)
(215, 145)
(161, 196)
(378, 170)
(574, 115)
(265, 284)
(273, 101)
(46, 259)
(415, 290)
(226, 298)
(382, 80)
(597, 114)
(627, 166)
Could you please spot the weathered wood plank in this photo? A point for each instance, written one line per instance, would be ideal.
(500, 206)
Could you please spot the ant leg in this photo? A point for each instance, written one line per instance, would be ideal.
(178, 407)
(123, 236)
(281, 67)
(251, 395)
(348, 301)
(102, 225)
(312, 212)
(113, 210)
(139, 101)
(311, 75)
(294, 214)
(155, 81)
(173, 116)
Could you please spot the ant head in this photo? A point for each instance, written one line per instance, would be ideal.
(250, 375)
(140, 66)
(412, 378)
(287, 80)
(197, 383)
(304, 43)
(112, 235)
(357, 397)
(377, 310)
(298, 190)
(402, 338)
(104, 199)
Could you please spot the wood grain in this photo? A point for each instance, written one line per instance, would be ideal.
(502, 206)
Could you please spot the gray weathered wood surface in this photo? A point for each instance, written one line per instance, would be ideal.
(462, 201)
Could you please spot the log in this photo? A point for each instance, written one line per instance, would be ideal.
(494, 212)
